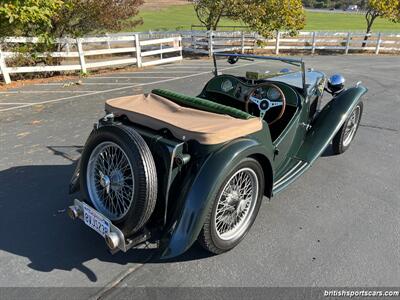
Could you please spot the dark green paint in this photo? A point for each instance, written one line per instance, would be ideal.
(298, 149)
(190, 219)
(187, 192)
(328, 123)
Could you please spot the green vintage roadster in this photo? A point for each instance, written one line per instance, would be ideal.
(171, 169)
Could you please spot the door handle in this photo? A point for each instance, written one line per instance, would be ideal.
(307, 126)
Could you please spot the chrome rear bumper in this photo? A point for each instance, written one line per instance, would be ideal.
(115, 239)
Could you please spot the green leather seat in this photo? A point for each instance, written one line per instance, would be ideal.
(202, 104)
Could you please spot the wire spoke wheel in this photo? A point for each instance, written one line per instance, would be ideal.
(345, 136)
(110, 180)
(351, 126)
(236, 204)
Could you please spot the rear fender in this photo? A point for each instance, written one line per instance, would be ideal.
(328, 123)
(190, 216)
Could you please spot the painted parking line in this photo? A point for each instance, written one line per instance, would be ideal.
(87, 83)
(43, 91)
(129, 77)
(159, 72)
(16, 103)
(188, 67)
(120, 88)
(192, 62)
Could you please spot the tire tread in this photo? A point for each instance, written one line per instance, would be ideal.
(145, 177)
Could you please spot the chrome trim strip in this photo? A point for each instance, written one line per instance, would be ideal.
(292, 176)
(287, 174)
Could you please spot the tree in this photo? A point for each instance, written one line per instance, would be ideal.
(389, 9)
(309, 3)
(79, 17)
(56, 18)
(265, 17)
(210, 12)
(50, 19)
(29, 17)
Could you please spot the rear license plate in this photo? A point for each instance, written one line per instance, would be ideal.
(95, 221)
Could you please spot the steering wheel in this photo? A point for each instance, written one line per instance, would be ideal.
(264, 104)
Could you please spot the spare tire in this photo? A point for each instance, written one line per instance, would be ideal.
(118, 176)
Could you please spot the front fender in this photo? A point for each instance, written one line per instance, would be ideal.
(200, 195)
(328, 123)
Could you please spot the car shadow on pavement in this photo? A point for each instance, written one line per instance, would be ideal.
(34, 224)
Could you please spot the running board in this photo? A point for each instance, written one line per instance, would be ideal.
(299, 168)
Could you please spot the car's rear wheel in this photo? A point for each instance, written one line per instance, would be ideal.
(118, 176)
(342, 140)
(235, 207)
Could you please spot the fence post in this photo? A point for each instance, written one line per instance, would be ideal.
(210, 43)
(348, 43)
(313, 42)
(278, 38)
(192, 40)
(180, 44)
(108, 41)
(138, 51)
(81, 55)
(378, 43)
(242, 42)
(3, 68)
(68, 49)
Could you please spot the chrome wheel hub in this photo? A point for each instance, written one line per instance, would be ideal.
(117, 180)
(105, 182)
(236, 204)
(110, 180)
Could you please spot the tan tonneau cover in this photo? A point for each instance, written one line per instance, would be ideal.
(157, 112)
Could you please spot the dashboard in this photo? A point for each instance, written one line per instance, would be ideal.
(238, 88)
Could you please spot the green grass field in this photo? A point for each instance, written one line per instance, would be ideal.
(183, 16)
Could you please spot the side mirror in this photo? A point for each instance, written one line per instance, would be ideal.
(336, 84)
(233, 59)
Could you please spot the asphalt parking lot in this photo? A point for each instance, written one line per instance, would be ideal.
(338, 225)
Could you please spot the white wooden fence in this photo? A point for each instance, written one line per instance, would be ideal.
(86, 53)
(208, 42)
(146, 49)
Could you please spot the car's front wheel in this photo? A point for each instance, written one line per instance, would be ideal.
(342, 141)
(235, 207)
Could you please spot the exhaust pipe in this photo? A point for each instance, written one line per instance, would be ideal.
(73, 212)
(112, 240)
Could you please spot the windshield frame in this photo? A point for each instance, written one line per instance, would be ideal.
(297, 62)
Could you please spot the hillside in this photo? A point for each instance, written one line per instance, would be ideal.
(172, 17)
(338, 4)
(160, 4)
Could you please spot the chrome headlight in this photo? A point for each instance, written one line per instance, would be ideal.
(336, 83)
